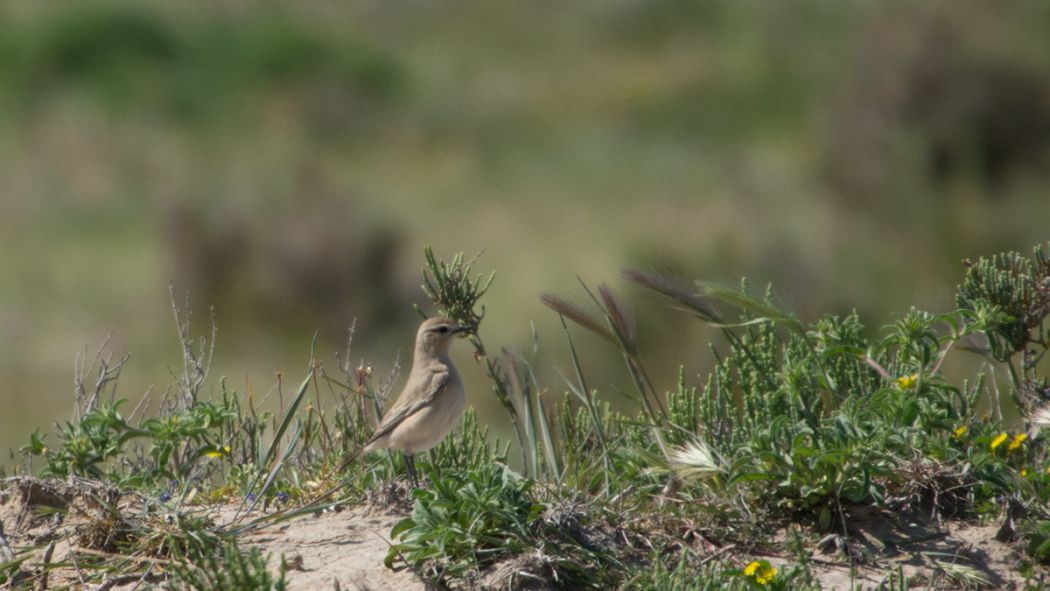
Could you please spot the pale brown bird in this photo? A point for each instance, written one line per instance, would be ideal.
(431, 404)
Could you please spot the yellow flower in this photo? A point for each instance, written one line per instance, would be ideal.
(761, 571)
(1024, 472)
(905, 382)
(960, 431)
(1017, 441)
(998, 441)
(218, 453)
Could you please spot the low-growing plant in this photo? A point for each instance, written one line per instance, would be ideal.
(229, 569)
(691, 573)
(471, 520)
(468, 520)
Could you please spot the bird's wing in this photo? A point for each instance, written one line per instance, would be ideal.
(407, 405)
(412, 402)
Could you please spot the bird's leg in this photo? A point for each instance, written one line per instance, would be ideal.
(410, 465)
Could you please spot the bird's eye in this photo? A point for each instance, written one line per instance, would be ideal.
(442, 329)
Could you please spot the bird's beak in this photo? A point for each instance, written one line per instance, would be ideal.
(465, 329)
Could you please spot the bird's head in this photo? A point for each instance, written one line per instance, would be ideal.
(435, 335)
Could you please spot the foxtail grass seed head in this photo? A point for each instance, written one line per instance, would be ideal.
(682, 293)
(695, 458)
(578, 315)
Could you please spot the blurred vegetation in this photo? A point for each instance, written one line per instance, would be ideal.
(284, 163)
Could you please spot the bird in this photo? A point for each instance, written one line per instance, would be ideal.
(433, 400)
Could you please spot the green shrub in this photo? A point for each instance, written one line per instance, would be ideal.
(468, 520)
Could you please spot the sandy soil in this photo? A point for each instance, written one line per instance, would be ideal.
(881, 541)
(348, 546)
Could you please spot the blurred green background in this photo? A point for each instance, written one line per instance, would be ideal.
(287, 162)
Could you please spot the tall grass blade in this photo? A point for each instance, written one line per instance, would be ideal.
(286, 421)
(587, 397)
(540, 422)
(289, 449)
(523, 387)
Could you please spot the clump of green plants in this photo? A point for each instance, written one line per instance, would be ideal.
(473, 519)
(816, 416)
(1007, 298)
(452, 288)
(230, 569)
(692, 574)
(197, 442)
(468, 519)
(796, 420)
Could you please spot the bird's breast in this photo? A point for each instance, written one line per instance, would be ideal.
(427, 427)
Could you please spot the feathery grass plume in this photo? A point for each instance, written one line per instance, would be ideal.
(578, 315)
(1040, 419)
(696, 459)
(681, 292)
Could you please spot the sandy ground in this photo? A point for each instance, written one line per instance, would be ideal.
(881, 542)
(349, 547)
(346, 546)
